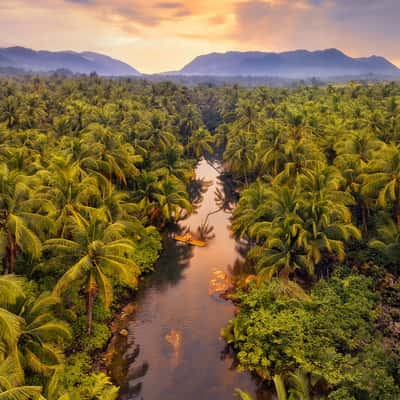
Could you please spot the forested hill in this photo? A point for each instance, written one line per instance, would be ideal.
(45, 61)
(292, 64)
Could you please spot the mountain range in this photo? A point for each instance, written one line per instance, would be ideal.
(292, 64)
(45, 61)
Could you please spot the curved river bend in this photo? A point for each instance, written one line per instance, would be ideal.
(173, 349)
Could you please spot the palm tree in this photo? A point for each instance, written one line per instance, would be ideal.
(115, 203)
(246, 116)
(12, 382)
(66, 191)
(296, 122)
(172, 199)
(10, 111)
(159, 136)
(11, 325)
(77, 112)
(240, 154)
(189, 122)
(270, 153)
(388, 243)
(96, 252)
(146, 190)
(110, 155)
(301, 227)
(352, 171)
(280, 254)
(361, 144)
(37, 349)
(384, 179)
(171, 162)
(17, 221)
(301, 156)
(200, 142)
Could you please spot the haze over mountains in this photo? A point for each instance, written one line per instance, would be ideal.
(296, 64)
(45, 61)
(292, 64)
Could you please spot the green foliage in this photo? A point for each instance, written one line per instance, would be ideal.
(147, 251)
(90, 171)
(332, 336)
(83, 384)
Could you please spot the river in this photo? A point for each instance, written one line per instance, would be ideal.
(172, 349)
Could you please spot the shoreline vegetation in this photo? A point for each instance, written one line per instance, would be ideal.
(93, 170)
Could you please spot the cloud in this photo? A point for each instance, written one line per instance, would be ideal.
(156, 35)
(169, 5)
(359, 27)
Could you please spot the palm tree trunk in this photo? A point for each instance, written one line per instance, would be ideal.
(91, 294)
(154, 215)
(10, 256)
(245, 177)
(13, 254)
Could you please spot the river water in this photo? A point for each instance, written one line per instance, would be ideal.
(172, 349)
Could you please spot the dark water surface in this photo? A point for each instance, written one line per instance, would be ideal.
(173, 350)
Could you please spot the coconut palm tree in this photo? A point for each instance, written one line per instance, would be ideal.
(11, 325)
(388, 242)
(270, 154)
(200, 143)
(66, 191)
(171, 199)
(240, 154)
(280, 255)
(301, 156)
(12, 382)
(171, 162)
(145, 191)
(246, 116)
(361, 144)
(96, 252)
(41, 331)
(383, 181)
(110, 155)
(19, 225)
(10, 111)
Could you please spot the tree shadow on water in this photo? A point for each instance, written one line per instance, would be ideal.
(197, 189)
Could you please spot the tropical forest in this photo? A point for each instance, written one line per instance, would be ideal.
(201, 241)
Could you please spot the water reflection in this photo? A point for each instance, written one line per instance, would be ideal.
(205, 232)
(173, 349)
(197, 189)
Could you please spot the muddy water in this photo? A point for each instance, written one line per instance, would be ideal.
(171, 349)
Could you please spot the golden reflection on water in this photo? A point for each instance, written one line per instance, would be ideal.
(174, 338)
(219, 283)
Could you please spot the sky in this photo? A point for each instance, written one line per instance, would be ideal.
(164, 35)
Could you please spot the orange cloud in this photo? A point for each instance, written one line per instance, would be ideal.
(158, 35)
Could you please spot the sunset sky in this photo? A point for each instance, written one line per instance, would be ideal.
(156, 36)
